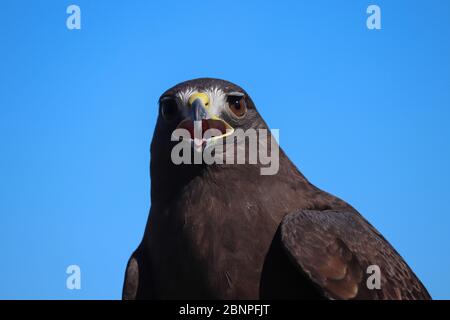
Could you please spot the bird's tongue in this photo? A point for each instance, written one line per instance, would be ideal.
(197, 129)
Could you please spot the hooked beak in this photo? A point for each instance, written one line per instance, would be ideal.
(202, 127)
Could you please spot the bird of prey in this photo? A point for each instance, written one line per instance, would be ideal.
(225, 231)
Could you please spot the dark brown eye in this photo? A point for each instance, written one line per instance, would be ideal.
(237, 105)
(169, 108)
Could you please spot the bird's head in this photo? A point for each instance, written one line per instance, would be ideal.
(209, 112)
(212, 103)
(207, 109)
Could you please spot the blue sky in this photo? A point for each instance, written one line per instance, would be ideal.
(364, 115)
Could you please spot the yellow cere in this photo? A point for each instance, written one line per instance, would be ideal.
(202, 96)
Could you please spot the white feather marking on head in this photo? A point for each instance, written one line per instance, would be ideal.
(217, 98)
(185, 94)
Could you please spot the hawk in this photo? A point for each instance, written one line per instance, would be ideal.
(226, 231)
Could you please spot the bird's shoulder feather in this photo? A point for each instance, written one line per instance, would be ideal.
(131, 283)
(335, 248)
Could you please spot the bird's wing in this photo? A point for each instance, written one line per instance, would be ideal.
(335, 248)
(131, 283)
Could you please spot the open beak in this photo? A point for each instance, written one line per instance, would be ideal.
(202, 127)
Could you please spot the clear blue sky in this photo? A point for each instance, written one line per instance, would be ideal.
(364, 114)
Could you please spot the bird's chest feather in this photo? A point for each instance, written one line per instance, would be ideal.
(221, 230)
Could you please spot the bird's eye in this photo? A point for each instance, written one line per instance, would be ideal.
(169, 108)
(237, 105)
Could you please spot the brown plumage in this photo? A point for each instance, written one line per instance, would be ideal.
(228, 232)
